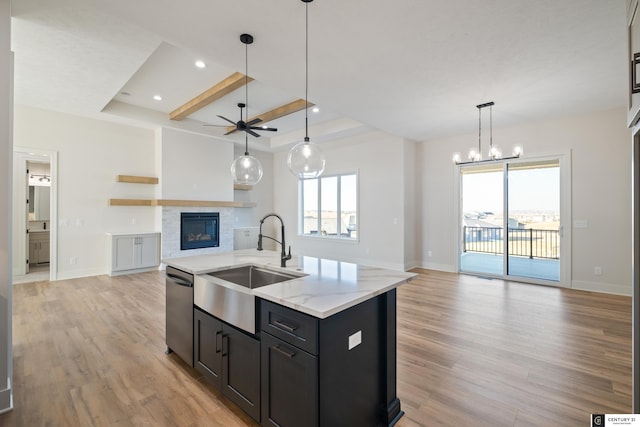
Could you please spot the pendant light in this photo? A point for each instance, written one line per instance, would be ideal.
(305, 159)
(246, 170)
(494, 152)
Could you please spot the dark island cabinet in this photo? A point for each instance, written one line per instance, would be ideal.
(328, 372)
(207, 346)
(289, 385)
(229, 359)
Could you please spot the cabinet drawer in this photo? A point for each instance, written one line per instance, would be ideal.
(293, 327)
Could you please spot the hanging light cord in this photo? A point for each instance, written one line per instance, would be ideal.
(491, 130)
(306, 73)
(479, 128)
(246, 95)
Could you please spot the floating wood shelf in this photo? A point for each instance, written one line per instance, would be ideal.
(137, 179)
(242, 187)
(185, 203)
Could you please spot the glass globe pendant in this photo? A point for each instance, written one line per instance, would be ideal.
(305, 159)
(246, 169)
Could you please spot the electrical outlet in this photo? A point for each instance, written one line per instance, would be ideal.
(355, 340)
(429, 254)
(597, 271)
(73, 260)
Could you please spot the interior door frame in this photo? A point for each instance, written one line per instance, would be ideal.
(564, 158)
(635, 268)
(21, 156)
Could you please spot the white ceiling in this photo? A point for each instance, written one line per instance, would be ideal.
(413, 68)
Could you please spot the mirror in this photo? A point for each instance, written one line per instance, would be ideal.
(39, 202)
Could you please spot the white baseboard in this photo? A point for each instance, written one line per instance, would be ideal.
(448, 268)
(607, 288)
(76, 274)
(6, 398)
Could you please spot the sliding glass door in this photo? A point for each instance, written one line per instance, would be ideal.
(533, 204)
(511, 219)
(482, 246)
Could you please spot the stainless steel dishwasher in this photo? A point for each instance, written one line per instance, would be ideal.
(179, 314)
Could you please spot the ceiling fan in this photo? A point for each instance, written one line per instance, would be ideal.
(241, 125)
(248, 127)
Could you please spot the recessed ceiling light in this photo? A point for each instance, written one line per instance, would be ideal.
(157, 97)
(315, 109)
(265, 127)
(200, 64)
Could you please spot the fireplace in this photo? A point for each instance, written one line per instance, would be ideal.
(199, 230)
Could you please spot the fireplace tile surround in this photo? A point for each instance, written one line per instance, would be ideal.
(171, 231)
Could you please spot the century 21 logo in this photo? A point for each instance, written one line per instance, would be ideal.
(597, 420)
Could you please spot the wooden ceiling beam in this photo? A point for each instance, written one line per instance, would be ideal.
(276, 113)
(225, 87)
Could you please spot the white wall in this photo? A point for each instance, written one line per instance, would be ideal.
(601, 193)
(90, 155)
(412, 203)
(261, 194)
(6, 147)
(195, 167)
(379, 159)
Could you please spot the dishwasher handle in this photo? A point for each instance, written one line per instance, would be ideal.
(179, 280)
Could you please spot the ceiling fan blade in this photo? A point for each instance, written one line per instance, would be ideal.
(250, 132)
(263, 128)
(217, 126)
(231, 131)
(224, 118)
(254, 121)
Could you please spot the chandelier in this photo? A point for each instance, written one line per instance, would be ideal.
(494, 152)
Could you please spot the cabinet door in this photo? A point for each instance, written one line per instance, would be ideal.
(241, 370)
(43, 250)
(33, 251)
(289, 385)
(207, 346)
(147, 251)
(124, 252)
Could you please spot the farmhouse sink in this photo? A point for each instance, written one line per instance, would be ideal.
(213, 293)
(253, 277)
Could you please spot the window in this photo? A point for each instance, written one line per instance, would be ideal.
(329, 206)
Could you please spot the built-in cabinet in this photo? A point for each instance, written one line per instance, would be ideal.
(289, 367)
(133, 252)
(230, 359)
(299, 370)
(340, 358)
(39, 243)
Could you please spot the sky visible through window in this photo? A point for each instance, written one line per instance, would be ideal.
(533, 190)
(332, 222)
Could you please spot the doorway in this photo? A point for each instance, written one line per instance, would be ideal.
(34, 215)
(511, 219)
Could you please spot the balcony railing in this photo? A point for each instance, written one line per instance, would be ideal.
(526, 242)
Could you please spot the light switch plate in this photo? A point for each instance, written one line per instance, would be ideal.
(355, 340)
(580, 223)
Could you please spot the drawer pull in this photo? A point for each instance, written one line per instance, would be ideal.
(285, 352)
(218, 341)
(284, 326)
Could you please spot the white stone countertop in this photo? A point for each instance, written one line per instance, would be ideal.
(327, 288)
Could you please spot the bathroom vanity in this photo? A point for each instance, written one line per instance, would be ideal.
(310, 344)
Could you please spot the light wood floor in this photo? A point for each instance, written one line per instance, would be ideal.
(471, 352)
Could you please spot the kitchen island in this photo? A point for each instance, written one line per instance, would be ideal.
(318, 348)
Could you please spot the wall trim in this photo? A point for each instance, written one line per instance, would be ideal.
(605, 288)
(78, 274)
(6, 398)
(447, 268)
